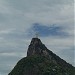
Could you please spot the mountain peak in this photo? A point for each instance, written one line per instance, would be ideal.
(36, 47)
(36, 41)
(41, 61)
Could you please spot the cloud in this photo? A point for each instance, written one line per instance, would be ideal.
(51, 30)
(6, 31)
(17, 25)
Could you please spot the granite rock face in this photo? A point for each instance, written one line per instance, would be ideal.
(41, 61)
(37, 48)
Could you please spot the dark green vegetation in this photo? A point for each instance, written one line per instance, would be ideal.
(40, 65)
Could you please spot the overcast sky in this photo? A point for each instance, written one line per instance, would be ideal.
(20, 19)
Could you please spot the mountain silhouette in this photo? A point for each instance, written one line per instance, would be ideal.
(41, 61)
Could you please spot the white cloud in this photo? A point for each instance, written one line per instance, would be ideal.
(6, 31)
(13, 54)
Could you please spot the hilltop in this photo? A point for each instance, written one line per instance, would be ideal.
(41, 61)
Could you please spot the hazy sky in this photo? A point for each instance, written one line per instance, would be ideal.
(20, 19)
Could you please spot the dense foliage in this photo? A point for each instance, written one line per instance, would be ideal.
(40, 65)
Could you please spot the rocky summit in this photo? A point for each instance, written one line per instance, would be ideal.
(41, 61)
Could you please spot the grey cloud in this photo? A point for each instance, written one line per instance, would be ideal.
(17, 16)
